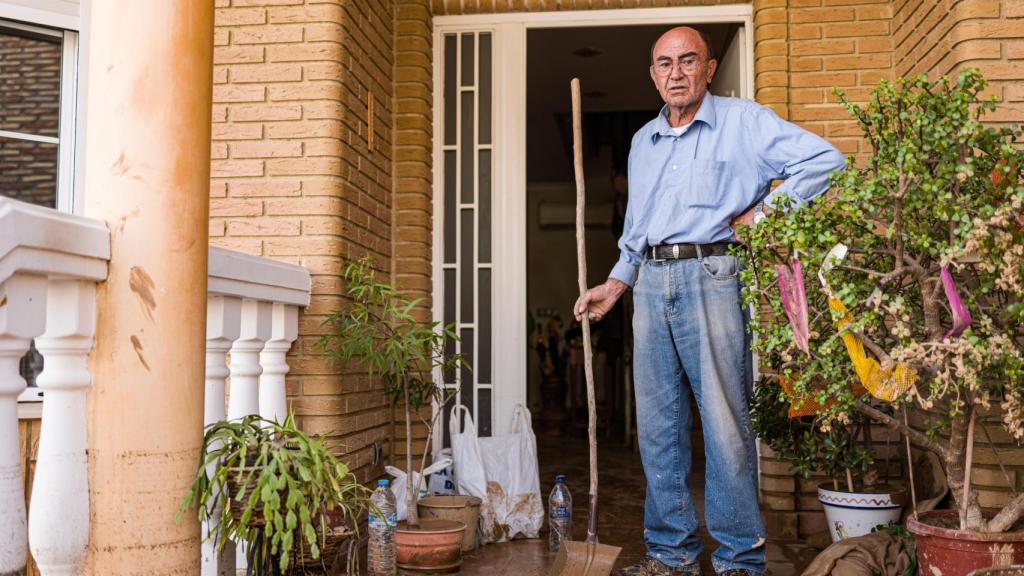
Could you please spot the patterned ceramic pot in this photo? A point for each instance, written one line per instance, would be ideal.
(856, 513)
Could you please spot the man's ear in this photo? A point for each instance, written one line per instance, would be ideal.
(712, 68)
(654, 78)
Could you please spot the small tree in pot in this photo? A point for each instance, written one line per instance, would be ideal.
(926, 306)
(859, 496)
(379, 329)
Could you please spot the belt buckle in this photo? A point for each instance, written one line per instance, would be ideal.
(654, 255)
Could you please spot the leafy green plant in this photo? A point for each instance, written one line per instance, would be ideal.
(801, 441)
(937, 205)
(379, 329)
(274, 487)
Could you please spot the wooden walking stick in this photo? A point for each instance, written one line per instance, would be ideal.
(587, 558)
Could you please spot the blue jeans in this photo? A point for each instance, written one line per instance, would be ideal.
(690, 335)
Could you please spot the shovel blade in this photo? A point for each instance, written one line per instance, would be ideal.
(584, 559)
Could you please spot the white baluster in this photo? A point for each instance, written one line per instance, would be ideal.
(245, 359)
(223, 326)
(59, 517)
(22, 317)
(223, 323)
(273, 359)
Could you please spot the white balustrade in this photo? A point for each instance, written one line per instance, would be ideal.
(252, 311)
(22, 317)
(271, 293)
(50, 263)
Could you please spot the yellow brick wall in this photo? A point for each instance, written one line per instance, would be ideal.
(945, 36)
(805, 48)
(296, 175)
(453, 7)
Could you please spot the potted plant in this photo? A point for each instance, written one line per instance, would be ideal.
(858, 498)
(919, 253)
(380, 330)
(286, 495)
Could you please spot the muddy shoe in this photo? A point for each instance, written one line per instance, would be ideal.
(736, 572)
(651, 567)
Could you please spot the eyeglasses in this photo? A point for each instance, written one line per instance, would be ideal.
(689, 64)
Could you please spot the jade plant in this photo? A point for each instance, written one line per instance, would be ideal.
(275, 488)
(380, 330)
(809, 449)
(906, 279)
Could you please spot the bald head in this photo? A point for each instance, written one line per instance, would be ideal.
(709, 52)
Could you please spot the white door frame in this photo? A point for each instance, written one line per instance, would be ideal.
(509, 170)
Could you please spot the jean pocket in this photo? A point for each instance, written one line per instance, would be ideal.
(720, 267)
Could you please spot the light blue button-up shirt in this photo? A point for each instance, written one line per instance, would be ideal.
(687, 188)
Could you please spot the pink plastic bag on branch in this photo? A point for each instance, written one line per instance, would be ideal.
(961, 315)
(794, 300)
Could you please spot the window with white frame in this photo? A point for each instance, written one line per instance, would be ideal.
(38, 100)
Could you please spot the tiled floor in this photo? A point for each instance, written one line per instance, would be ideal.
(620, 515)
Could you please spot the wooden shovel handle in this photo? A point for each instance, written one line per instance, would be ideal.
(581, 260)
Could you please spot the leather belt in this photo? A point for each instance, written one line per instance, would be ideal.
(684, 251)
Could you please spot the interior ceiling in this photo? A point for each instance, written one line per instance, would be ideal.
(612, 63)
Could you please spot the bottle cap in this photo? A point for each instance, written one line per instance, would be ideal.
(560, 479)
(383, 482)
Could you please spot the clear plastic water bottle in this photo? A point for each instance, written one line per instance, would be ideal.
(380, 551)
(559, 514)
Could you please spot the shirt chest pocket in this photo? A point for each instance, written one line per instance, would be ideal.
(707, 183)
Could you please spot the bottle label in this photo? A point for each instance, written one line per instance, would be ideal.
(389, 521)
(560, 513)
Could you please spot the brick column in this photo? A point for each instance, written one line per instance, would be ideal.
(301, 172)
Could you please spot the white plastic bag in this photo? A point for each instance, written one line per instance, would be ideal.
(513, 488)
(470, 478)
(442, 482)
(398, 484)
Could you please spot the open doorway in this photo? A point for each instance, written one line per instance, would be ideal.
(618, 99)
(503, 238)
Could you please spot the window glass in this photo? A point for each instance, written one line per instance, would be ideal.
(30, 74)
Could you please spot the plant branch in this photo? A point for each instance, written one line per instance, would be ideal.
(916, 437)
(1006, 517)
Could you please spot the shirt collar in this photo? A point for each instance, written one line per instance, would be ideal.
(705, 114)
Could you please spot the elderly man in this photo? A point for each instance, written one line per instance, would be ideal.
(702, 165)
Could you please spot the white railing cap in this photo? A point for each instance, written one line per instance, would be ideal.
(44, 241)
(257, 278)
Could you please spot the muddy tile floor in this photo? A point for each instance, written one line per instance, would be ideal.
(620, 521)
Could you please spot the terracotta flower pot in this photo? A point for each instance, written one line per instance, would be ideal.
(952, 552)
(856, 513)
(434, 547)
(1016, 570)
(465, 509)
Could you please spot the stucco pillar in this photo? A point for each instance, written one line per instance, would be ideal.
(147, 175)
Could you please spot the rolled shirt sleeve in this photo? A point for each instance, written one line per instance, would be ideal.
(788, 152)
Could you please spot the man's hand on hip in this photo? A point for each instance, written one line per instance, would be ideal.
(745, 219)
(599, 300)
